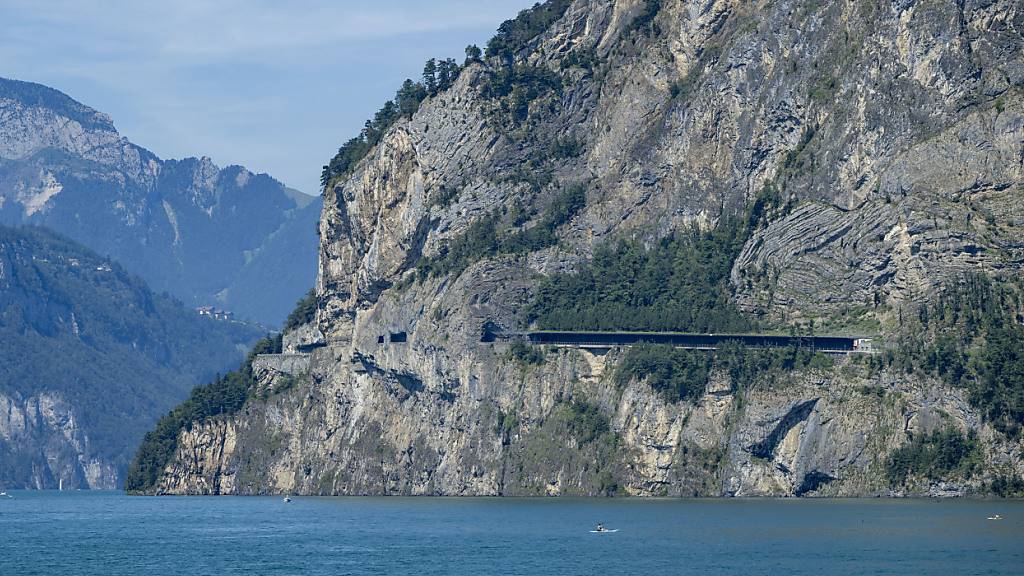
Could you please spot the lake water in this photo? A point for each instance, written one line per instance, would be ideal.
(80, 533)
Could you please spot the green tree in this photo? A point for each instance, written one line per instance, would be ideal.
(514, 35)
(406, 102)
(969, 335)
(473, 54)
(935, 456)
(430, 76)
(304, 312)
(409, 97)
(674, 373)
(447, 73)
(224, 395)
(681, 283)
(485, 238)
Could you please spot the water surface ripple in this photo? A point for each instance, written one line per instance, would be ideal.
(108, 533)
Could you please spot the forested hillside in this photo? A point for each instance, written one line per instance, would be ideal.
(91, 358)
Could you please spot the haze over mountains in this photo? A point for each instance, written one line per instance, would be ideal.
(90, 358)
(215, 236)
(92, 354)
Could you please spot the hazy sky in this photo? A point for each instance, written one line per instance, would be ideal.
(274, 86)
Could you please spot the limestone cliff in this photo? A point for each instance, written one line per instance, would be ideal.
(44, 431)
(892, 133)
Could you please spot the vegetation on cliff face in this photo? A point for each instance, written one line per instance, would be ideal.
(304, 312)
(526, 355)
(935, 456)
(745, 366)
(512, 85)
(407, 100)
(999, 388)
(225, 395)
(970, 336)
(576, 435)
(491, 236)
(1007, 486)
(681, 283)
(678, 374)
(515, 35)
(674, 373)
(438, 75)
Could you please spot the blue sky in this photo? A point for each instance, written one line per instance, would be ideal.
(274, 86)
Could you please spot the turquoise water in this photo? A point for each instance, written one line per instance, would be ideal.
(79, 533)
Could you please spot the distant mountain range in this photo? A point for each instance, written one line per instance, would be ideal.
(226, 237)
(91, 357)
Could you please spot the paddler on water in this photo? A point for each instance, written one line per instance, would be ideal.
(600, 527)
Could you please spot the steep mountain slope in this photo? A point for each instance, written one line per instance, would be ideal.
(847, 166)
(186, 226)
(90, 359)
(274, 275)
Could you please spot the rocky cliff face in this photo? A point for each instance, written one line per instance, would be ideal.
(202, 233)
(43, 431)
(892, 132)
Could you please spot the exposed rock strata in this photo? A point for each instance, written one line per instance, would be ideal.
(895, 133)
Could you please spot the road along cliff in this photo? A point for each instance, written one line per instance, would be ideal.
(837, 167)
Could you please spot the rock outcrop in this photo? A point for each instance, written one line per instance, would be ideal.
(892, 133)
(43, 430)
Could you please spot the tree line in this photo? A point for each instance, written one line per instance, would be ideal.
(970, 336)
(438, 76)
(513, 85)
(224, 395)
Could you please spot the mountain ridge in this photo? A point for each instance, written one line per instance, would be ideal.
(804, 167)
(185, 225)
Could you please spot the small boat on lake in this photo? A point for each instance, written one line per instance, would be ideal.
(287, 499)
(996, 517)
